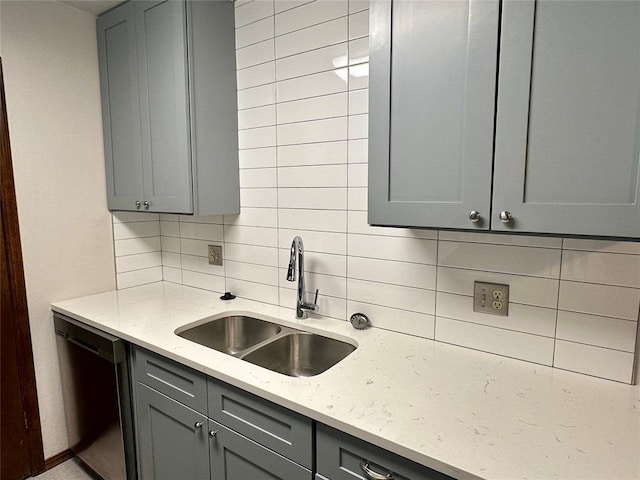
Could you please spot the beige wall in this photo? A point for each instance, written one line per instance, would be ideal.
(53, 100)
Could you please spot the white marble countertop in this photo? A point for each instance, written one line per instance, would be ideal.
(465, 413)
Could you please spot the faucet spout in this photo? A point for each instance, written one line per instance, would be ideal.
(302, 307)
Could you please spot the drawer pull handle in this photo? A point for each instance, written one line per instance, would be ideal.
(213, 433)
(374, 475)
(198, 424)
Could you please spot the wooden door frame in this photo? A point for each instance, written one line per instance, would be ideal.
(10, 228)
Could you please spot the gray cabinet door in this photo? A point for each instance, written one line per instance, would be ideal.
(120, 107)
(164, 105)
(170, 444)
(235, 457)
(431, 113)
(568, 118)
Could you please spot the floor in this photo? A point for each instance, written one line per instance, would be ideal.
(69, 470)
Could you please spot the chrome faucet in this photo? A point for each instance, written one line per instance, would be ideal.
(302, 307)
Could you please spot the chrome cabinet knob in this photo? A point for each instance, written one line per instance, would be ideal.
(138, 204)
(505, 217)
(213, 433)
(474, 216)
(146, 205)
(198, 424)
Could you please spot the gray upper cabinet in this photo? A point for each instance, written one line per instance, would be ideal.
(568, 118)
(168, 83)
(566, 105)
(431, 112)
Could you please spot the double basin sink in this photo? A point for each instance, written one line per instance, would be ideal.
(269, 345)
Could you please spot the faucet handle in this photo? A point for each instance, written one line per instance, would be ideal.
(315, 300)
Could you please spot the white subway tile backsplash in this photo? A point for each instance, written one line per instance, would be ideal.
(318, 262)
(325, 242)
(258, 197)
(542, 292)
(255, 54)
(601, 245)
(256, 96)
(122, 231)
(358, 150)
(252, 273)
(318, 36)
(536, 262)
(138, 277)
(359, 51)
(257, 117)
(204, 281)
(258, 255)
(359, 24)
(414, 250)
(253, 11)
(522, 318)
(313, 198)
(133, 246)
(314, 61)
(316, 176)
(599, 331)
(258, 178)
(393, 272)
(310, 14)
(201, 231)
(358, 126)
(303, 127)
(254, 217)
(394, 296)
(253, 291)
(257, 137)
(282, 5)
(315, 85)
(266, 237)
(358, 175)
(254, 32)
(327, 285)
(509, 343)
(596, 361)
(312, 154)
(257, 157)
(595, 267)
(316, 108)
(257, 75)
(359, 101)
(327, 130)
(417, 324)
(129, 263)
(317, 220)
(603, 300)
(357, 199)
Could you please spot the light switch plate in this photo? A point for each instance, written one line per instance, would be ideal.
(215, 255)
(491, 298)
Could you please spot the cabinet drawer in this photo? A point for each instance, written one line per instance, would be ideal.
(234, 456)
(176, 381)
(273, 426)
(342, 457)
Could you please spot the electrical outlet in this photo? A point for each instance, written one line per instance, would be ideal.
(215, 255)
(491, 298)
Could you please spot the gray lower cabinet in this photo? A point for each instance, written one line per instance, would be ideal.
(519, 118)
(191, 427)
(168, 83)
(172, 439)
(342, 457)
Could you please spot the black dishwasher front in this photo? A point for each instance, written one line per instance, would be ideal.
(97, 398)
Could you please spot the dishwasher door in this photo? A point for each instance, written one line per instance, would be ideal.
(96, 390)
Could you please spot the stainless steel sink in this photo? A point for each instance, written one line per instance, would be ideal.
(231, 334)
(269, 345)
(300, 354)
